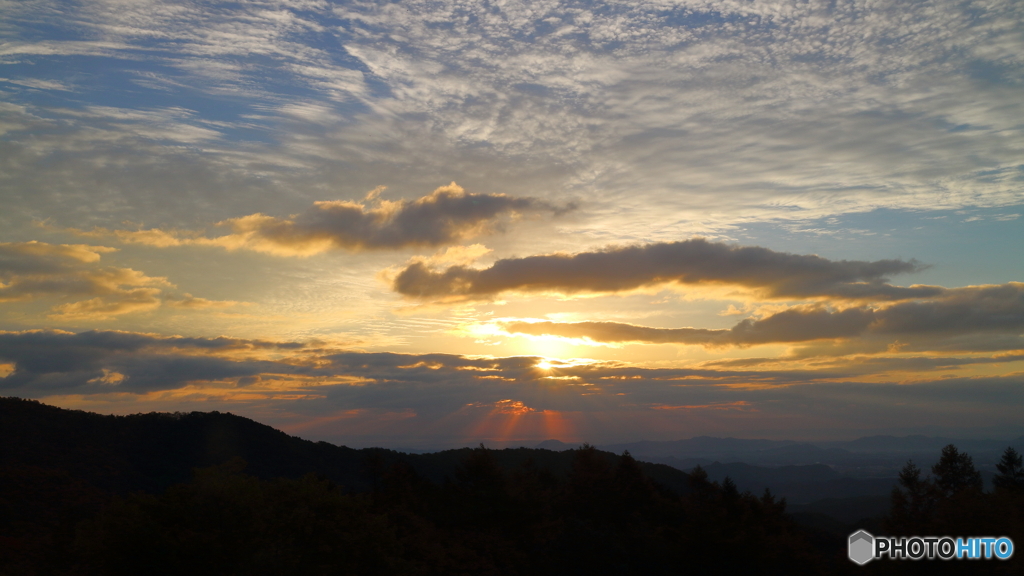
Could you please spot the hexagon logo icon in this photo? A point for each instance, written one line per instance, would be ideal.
(861, 547)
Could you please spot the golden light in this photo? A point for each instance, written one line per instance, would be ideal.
(544, 365)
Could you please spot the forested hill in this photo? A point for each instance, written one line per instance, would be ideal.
(210, 493)
(150, 452)
(82, 493)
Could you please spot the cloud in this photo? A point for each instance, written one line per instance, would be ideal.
(793, 325)
(738, 405)
(926, 324)
(125, 301)
(37, 84)
(992, 308)
(191, 302)
(446, 216)
(53, 360)
(614, 332)
(672, 118)
(678, 104)
(32, 270)
(50, 359)
(457, 255)
(440, 397)
(40, 257)
(692, 262)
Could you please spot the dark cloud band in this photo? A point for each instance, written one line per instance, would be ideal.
(689, 262)
(959, 312)
(447, 394)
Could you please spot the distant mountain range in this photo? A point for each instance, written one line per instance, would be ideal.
(868, 457)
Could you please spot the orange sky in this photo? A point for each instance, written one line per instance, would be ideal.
(427, 224)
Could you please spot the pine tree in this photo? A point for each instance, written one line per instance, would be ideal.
(1011, 474)
(729, 489)
(913, 502)
(955, 473)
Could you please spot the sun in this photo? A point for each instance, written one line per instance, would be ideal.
(544, 365)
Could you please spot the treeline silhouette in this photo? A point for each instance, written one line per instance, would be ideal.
(602, 518)
(952, 502)
(215, 493)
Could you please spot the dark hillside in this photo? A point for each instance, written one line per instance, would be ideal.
(153, 451)
(207, 493)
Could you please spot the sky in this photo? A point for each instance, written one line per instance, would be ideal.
(428, 224)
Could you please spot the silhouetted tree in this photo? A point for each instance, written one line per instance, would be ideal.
(481, 474)
(955, 473)
(1011, 474)
(630, 483)
(481, 495)
(729, 490)
(373, 466)
(954, 504)
(700, 486)
(912, 502)
(770, 504)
